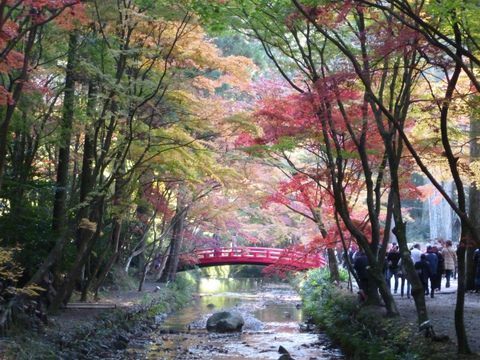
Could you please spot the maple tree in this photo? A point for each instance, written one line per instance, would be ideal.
(20, 23)
(162, 114)
(328, 86)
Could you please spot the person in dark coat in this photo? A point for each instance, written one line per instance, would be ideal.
(360, 266)
(440, 268)
(393, 257)
(433, 261)
(423, 271)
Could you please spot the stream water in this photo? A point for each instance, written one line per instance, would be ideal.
(272, 314)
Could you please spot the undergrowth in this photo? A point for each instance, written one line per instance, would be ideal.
(91, 337)
(363, 332)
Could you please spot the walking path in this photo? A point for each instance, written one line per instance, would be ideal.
(441, 311)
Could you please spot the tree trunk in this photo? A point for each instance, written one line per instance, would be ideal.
(332, 259)
(86, 241)
(15, 89)
(176, 245)
(60, 202)
(418, 292)
(116, 246)
(333, 266)
(93, 273)
(474, 201)
(59, 209)
(463, 346)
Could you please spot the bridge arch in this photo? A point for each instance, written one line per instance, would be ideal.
(254, 256)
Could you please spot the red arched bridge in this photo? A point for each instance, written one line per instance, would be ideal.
(256, 256)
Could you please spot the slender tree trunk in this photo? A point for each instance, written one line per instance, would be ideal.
(333, 266)
(176, 245)
(60, 202)
(86, 242)
(59, 210)
(163, 263)
(93, 273)
(474, 203)
(86, 177)
(332, 259)
(116, 246)
(463, 346)
(15, 89)
(418, 291)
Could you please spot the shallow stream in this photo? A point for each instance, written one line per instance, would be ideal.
(272, 314)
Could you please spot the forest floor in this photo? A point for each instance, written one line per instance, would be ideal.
(441, 312)
(71, 318)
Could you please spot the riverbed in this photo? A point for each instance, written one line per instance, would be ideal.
(273, 318)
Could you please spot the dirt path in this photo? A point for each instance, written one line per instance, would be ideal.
(71, 317)
(441, 311)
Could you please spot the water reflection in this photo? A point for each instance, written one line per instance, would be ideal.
(218, 286)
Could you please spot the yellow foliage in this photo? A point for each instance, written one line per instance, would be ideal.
(87, 225)
(10, 272)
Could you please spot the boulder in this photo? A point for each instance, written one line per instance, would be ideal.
(285, 354)
(225, 321)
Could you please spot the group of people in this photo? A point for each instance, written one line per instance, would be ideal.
(431, 265)
(434, 264)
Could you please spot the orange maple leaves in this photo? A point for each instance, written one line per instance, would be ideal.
(17, 19)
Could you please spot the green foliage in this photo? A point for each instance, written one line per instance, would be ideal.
(247, 271)
(217, 272)
(360, 331)
(182, 287)
(120, 279)
(239, 45)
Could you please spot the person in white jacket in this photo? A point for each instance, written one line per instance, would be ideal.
(415, 253)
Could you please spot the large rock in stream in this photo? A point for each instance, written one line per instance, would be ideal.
(225, 322)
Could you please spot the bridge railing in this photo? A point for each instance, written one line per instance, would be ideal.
(259, 255)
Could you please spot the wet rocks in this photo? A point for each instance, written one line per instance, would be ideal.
(285, 354)
(225, 321)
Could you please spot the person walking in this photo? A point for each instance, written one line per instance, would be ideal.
(415, 253)
(432, 259)
(360, 266)
(393, 257)
(450, 257)
(440, 268)
(423, 270)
